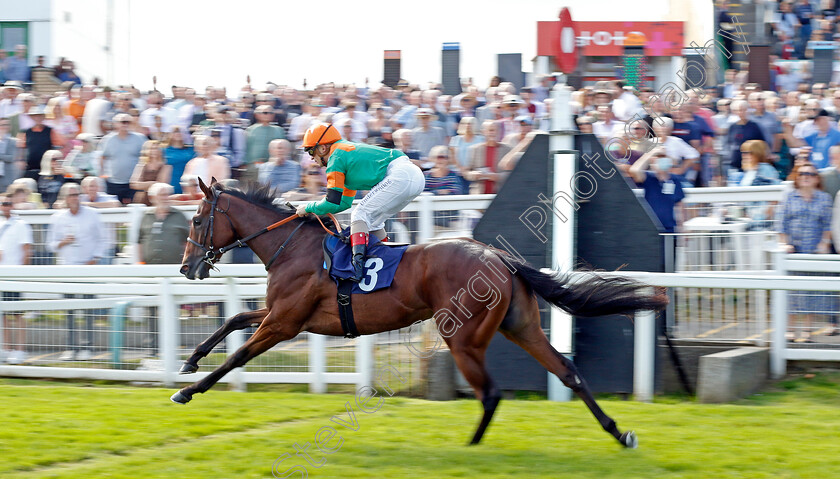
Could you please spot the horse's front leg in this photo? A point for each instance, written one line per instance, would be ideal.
(235, 323)
(263, 339)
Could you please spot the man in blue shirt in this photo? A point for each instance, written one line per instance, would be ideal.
(663, 191)
(16, 67)
(280, 171)
(822, 140)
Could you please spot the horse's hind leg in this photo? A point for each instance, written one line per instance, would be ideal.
(530, 337)
(261, 341)
(471, 364)
(235, 323)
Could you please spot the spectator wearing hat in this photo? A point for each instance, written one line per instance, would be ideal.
(484, 161)
(120, 154)
(425, 135)
(83, 160)
(9, 167)
(512, 107)
(9, 104)
(821, 142)
(259, 137)
(524, 124)
(37, 140)
(21, 120)
(281, 172)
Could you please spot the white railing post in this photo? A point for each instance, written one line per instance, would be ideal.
(425, 217)
(564, 159)
(644, 351)
(137, 211)
(364, 360)
(233, 306)
(778, 344)
(168, 331)
(317, 362)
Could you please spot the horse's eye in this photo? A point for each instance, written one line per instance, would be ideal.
(196, 221)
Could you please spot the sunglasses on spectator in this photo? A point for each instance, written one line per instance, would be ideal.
(807, 173)
(442, 156)
(125, 122)
(72, 194)
(7, 203)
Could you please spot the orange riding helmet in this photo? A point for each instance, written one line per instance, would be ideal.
(320, 134)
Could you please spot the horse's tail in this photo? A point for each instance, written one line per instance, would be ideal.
(590, 294)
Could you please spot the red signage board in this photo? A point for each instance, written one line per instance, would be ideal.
(566, 43)
(662, 39)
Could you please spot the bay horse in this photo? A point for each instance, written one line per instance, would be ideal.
(301, 296)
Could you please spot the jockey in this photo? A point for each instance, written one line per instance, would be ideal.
(393, 181)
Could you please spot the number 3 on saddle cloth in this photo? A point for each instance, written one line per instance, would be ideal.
(380, 265)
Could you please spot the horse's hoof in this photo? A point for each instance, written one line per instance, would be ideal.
(629, 440)
(180, 398)
(188, 368)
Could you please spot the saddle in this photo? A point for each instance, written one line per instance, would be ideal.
(380, 268)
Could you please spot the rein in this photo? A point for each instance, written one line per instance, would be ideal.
(213, 255)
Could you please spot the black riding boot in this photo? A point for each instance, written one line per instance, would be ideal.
(358, 261)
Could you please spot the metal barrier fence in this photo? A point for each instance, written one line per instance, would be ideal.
(139, 322)
(109, 316)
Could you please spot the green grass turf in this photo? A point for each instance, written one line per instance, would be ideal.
(64, 430)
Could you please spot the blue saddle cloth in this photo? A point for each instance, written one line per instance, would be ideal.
(380, 265)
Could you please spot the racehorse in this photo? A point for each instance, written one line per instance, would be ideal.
(301, 296)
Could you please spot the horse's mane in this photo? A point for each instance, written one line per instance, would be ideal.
(264, 196)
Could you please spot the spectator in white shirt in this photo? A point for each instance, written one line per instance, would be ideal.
(15, 249)
(681, 153)
(76, 234)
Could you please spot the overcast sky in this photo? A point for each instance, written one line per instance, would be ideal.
(219, 42)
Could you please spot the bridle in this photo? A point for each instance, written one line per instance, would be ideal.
(212, 255)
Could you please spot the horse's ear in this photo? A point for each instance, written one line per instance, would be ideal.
(204, 188)
(213, 181)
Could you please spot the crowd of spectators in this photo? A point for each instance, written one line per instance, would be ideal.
(86, 147)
